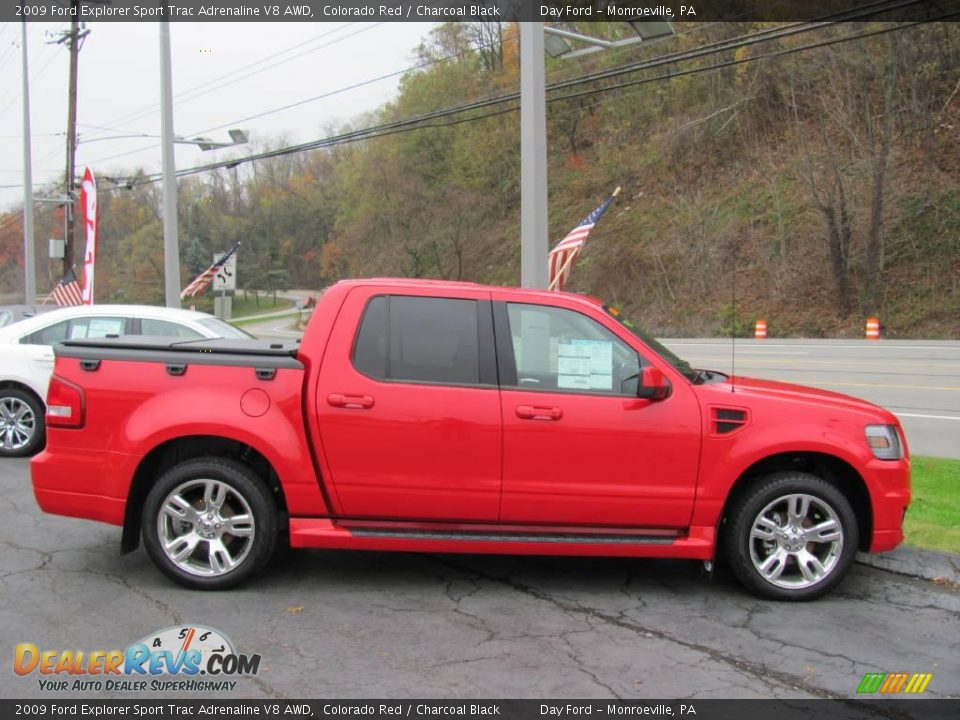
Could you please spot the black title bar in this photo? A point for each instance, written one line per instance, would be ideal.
(550, 11)
(849, 709)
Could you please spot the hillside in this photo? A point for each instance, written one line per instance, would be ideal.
(815, 175)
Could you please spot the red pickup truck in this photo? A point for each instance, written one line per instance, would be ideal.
(452, 417)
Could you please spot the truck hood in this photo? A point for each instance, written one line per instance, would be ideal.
(747, 388)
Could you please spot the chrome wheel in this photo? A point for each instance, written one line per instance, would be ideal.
(796, 541)
(205, 527)
(18, 423)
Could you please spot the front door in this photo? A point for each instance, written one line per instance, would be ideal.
(409, 409)
(579, 448)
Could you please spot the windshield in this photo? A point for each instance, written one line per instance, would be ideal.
(681, 365)
(224, 329)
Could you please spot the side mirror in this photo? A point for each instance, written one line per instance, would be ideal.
(652, 385)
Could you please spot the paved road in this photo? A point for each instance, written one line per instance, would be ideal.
(919, 380)
(346, 624)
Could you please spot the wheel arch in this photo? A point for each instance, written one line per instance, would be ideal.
(834, 470)
(177, 450)
(19, 385)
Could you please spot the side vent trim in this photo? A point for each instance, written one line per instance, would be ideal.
(726, 421)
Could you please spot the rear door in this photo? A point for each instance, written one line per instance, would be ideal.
(580, 448)
(409, 408)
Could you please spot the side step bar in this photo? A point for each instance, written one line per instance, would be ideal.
(513, 536)
(696, 543)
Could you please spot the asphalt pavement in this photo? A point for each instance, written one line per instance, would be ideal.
(919, 380)
(352, 625)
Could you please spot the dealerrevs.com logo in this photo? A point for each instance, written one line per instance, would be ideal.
(191, 658)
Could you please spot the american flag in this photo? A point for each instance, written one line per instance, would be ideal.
(202, 280)
(67, 292)
(562, 256)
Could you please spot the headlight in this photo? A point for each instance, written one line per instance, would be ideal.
(884, 441)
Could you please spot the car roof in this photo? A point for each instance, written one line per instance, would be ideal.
(79, 311)
(454, 285)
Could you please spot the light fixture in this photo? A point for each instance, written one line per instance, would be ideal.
(555, 45)
(652, 30)
(555, 40)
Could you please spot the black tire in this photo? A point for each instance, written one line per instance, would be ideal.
(244, 487)
(38, 437)
(740, 549)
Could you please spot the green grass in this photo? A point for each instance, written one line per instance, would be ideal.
(245, 307)
(241, 322)
(933, 520)
(242, 308)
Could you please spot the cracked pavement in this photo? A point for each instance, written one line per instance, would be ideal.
(451, 626)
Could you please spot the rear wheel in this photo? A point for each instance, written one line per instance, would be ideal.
(209, 523)
(791, 536)
(22, 429)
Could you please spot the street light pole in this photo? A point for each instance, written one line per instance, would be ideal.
(171, 241)
(30, 279)
(533, 158)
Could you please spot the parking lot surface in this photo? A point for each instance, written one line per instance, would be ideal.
(350, 625)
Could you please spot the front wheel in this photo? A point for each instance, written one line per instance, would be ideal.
(209, 523)
(791, 536)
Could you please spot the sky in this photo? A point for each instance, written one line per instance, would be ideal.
(223, 73)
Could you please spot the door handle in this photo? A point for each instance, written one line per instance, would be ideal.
(531, 412)
(352, 402)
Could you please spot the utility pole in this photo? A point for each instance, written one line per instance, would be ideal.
(30, 275)
(73, 40)
(533, 158)
(171, 241)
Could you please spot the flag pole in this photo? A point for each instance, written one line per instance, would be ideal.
(569, 261)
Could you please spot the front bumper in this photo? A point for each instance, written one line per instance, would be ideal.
(889, 483)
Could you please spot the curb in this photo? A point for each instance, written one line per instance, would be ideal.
(927, 564)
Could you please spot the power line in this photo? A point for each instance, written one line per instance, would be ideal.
(423, 121)
(760, 34)
(328, 94)
(33, 78)
(194, 93)
(346, 88)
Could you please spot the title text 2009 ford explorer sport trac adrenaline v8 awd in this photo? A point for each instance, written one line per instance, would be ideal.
(452, 417)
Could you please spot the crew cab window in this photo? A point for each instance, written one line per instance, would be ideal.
(419, 339)
(566, 351)
(165, 328)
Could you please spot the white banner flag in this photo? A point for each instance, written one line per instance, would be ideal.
(88, 201)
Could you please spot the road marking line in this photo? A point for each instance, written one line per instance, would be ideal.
(884, 385)
(837, 361)
(932, 417)
(871, 345)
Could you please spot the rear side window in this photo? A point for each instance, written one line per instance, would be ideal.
(419, 339)
(164, 328)
(48, 335)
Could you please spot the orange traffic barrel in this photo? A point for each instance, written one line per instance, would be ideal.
(873, 329)
(761, 332)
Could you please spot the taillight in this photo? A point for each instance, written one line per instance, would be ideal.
(65, 404)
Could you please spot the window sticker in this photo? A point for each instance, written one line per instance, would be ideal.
(101, 327)
(78, 332)
(585, 365)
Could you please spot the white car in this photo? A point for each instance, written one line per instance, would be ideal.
(26, 356)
